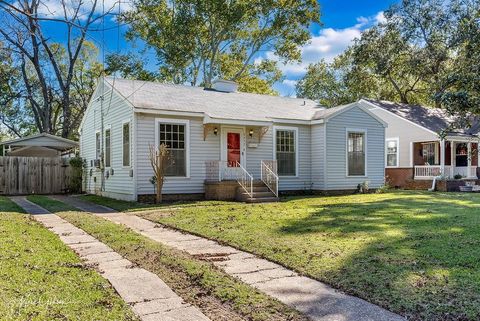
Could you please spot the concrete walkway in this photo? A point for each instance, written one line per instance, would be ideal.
(313, 298)
(151, 299)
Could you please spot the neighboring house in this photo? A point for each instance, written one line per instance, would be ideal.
(415, 148)
(218, 137)
(40, 145)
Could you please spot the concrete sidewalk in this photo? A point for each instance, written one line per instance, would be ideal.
(151, 299)
(313, 298)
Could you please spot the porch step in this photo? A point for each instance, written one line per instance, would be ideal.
(244, 195)
(262, 199)
(261, 194)
(256, 189)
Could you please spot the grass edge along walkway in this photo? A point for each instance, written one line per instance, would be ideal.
(149, 297)
(198, 282)
(317, 300)
(43, 279)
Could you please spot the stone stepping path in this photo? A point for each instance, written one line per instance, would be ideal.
(313, 298)
(150, 298)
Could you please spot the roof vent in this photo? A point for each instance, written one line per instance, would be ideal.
(226, 86)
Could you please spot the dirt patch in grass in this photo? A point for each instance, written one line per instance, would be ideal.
(220, 296)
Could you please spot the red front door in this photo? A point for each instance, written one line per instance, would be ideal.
(233, 149)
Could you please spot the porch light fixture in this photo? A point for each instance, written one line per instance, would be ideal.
(251, 132)
(215, 131)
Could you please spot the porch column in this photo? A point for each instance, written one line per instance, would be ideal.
(469, 158)
(442, 157)
(452, 158)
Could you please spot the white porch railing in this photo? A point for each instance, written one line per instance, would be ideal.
(431, 171)
(269, 175)
(427, 171)
(216, 170)
(245, 180)
(472, 171)
(213, 170)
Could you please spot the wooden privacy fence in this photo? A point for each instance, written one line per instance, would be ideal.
(34, 175)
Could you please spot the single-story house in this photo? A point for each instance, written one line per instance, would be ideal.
(40, 145)
(220, 139)
(423, 143)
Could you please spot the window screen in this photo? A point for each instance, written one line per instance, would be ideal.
(392, 152)
(173, 136)
(126, 144)
(98, 150)
(107, 148)
(356, 154)
(286, 152)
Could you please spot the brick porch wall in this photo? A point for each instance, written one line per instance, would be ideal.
(399, 177)
(221, 191)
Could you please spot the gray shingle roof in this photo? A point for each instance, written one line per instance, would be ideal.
(434, 119)
(239, 106)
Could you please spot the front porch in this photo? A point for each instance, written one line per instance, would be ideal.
(229, 180)
(449, 158)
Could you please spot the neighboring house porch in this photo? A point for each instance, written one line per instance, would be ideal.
(449, 158)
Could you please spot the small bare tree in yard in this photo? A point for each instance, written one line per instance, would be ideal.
(160, 160)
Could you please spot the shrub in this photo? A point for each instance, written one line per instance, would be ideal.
(363, 187)
(78, 165)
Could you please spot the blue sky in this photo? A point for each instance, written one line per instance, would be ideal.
(342, 22)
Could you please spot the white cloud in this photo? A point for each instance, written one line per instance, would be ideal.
(328, 44)
(380, 17)
(290, 82)
(54, 8)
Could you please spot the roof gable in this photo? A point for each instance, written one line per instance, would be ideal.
(43, 140)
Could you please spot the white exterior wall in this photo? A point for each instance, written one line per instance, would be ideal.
(210, 149)
(336, 158)
(407, 133)
(200, 152)
(120, 184)
(318, 156)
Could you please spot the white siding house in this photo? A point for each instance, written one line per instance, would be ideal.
(424, 142)
(287, 144)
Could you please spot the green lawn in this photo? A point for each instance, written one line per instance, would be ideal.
(126, 206)
(415, 253)
(219, 295)
(41, 279)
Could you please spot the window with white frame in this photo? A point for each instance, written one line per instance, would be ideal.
(174, 137)
(392, 152)
(126, 144)
(98, 148)
(108, 147)
(356, 153)
(430, 153)
(286, 152)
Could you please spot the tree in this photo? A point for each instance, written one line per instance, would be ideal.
(388, 56)
(191, 38)
(48, 70)
(129, 66)
(11, 118)
(429, 26)
(160, 160)
(415, 56)
(340, 82)
(462, 94)
(324, 84)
